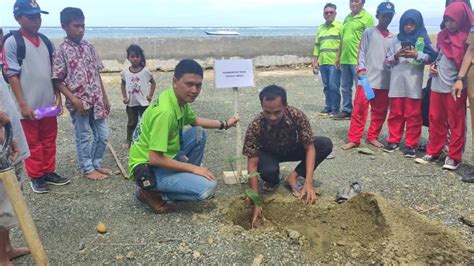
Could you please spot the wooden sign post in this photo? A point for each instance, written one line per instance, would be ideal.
(233, 74)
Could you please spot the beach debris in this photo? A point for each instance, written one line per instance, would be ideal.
(354, 189)
(468, 219)
(117, 161)
(101, 228)
(258, 260)
(130, 255)
(365, 151)
(82, 246)
(420, 161)
(119, 257)
(293, 234)
(196, 254)
(210, 241)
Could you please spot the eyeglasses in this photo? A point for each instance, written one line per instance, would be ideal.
(33, 17)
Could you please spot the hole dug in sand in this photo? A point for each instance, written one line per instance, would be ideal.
(365, 229)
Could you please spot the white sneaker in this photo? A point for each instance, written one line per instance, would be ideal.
(451, 164)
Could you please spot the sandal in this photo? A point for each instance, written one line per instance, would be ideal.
(266, 186)
(296, 188)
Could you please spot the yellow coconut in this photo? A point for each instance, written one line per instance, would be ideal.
(101, 228)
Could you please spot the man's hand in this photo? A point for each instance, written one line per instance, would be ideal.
(203, 171)
(361, 72)
(27, 112)
(257, 214)
(338, 62)
(315, 63)
(457, 89)
(433, 70)
(232, 122)
(14, 151)
(79, 107)
(310, 193)
(126, 100)
(107, 105)
(409, 53)
(149, 98)
(59, 104)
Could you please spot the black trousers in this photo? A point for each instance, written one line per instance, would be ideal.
(133, 113)
(268, 163)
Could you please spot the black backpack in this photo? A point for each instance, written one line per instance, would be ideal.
(21, 48)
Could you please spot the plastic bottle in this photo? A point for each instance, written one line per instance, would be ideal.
(316, 74)
(47, 111)
(419, 47)
(368, 91)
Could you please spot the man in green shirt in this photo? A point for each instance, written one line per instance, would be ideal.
(354, 24)
(326, 47)
(165, 160)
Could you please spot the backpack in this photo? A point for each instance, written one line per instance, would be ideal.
(21, 48)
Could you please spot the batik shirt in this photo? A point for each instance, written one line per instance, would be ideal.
(293, 132)
(79, 66)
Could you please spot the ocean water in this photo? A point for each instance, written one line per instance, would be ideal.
(124, 32)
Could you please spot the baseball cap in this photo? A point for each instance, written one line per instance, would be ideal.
(386, 8)
(27, 7)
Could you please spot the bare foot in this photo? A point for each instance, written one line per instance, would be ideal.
(349, 145)
(105, 171)
(95, 175)
(375, 143)
(14, 253)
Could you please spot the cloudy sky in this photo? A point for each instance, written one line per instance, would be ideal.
(189, 13)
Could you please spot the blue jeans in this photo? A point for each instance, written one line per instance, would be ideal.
(348, 79)
(185, 186)
(91, 140)
(331, 77)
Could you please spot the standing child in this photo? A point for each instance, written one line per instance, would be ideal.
(27, 64)
(407, 65)
(76, 73)
(446, 111)
(138, 87)
(19, 148)
(372, 50)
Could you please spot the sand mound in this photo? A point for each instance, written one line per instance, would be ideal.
(366, 229)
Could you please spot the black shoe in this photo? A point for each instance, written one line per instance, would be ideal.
(409, 152)
(56, 180)
(468, 178)
(391, 147)
(342, 116)
(38, 185)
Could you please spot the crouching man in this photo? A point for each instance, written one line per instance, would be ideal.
(165, 160)
(282, 133)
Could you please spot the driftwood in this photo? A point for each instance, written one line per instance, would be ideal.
(117, 161)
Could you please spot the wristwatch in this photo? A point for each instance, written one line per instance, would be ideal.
(460, 78)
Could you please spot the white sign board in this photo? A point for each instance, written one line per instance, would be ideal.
(234, 73)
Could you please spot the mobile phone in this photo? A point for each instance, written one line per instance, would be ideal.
(407, 45)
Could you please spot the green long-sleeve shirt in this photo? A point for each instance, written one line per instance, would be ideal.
(327, 41)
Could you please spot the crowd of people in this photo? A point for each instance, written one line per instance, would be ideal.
(394, 67)
(166, 155)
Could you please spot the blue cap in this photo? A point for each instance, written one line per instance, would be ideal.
(386, 8)
(27, 7)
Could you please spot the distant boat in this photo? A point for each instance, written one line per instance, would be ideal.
(222, 32)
